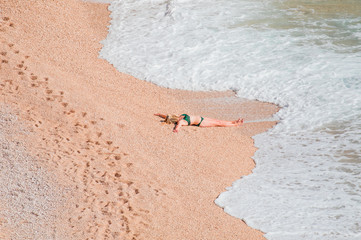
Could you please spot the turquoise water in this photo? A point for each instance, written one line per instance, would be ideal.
(303, 55)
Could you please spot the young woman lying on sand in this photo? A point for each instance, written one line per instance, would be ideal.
(187, 120)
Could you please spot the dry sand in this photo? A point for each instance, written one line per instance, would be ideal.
(83, 157)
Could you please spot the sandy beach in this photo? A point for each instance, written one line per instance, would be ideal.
(83, 156)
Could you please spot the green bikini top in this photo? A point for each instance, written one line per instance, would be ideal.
(187, 118)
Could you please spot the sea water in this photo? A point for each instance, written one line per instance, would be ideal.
(303, 55)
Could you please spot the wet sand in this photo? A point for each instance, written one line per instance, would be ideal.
(86, 158)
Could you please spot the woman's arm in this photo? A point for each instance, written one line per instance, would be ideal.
(161, 115)
(181, 122)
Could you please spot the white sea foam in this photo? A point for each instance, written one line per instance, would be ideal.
(304, 56)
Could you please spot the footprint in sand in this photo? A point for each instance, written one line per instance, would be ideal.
(159, 192)
(64, 104)
(9, 81)
(71, 111)
(111, 164)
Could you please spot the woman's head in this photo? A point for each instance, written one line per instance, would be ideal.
(171, 119)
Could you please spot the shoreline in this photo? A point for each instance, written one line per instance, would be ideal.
(92, 128)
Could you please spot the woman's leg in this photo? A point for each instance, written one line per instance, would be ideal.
(209, 122)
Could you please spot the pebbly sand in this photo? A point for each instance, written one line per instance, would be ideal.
(83, 157)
